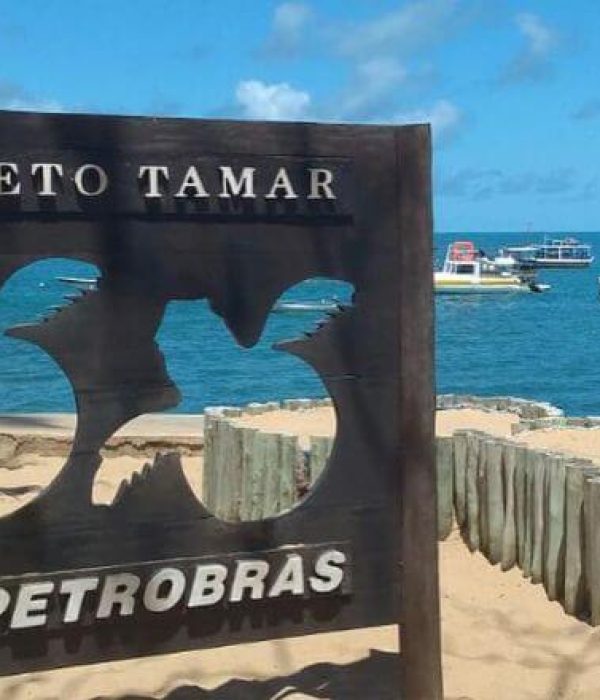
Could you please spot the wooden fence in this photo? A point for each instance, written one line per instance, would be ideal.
(518, 506)
(528, 508)
(249, 474)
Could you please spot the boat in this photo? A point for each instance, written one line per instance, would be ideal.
(554, 252)
(79, 282)
(324, 305)
(516, 263)
(467, 270)
(563, 252)
(523, 254)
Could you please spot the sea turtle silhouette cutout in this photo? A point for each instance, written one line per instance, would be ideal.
(104, 342)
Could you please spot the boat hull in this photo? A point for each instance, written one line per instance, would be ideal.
(560, 264)
(479, 289)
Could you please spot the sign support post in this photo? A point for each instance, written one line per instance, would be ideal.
(420, 608)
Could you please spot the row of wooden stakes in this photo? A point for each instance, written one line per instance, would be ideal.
(250, 474)
(528, 508)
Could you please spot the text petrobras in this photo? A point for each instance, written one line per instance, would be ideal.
(159, 587)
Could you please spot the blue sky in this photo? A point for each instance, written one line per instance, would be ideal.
(510, 87)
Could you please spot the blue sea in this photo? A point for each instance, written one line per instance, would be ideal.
(537, 346)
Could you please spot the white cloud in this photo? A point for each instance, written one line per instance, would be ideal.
(534, 60)
(15, 97)
(374, 80)
(444, 116)
(288, 33)
(414, 26)
(33, 105)
(541, 39)
(276, 101)
(290, 18)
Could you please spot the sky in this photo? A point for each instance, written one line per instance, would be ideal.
(510, 87)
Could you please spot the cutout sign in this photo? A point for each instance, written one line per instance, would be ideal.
(234, 214)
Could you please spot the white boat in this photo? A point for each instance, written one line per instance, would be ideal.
(554, 252)
(563, 252)
(79, 282)
(324, 305)
(468, 271)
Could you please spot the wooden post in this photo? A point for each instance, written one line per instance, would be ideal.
(509, 533)
(555, 556)
(482, 495)
(445, 484)
(288, 464)
(460, 478)
(272, 474)
(249, 468)
(419, 610)
(495, 499)
(592, 542)
(232, 479)
(215, 473)
(540, 492)
(472, 491)
(208, 456)
(258, 477)
(521, 502)
(529, 512)
(574, 568)
(320, 449)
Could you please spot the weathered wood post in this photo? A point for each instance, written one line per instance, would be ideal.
(509, 533)
(320, 450)
(472, 491)
(540, 490)
(460, 477)
(554, 575)
(272, 473)
(445, 482)
(482, 495)
(289, 457)
(530, 466)
(250, 467)
(420, 608)
(592, 543)
(495, 499)
(574, 563)
(521, 503)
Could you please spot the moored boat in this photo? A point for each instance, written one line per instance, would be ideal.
(467, 270)
(564, 252)
(325, 305)
(554, 252)
(79, 282)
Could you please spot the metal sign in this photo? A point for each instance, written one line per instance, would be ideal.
(234, 213)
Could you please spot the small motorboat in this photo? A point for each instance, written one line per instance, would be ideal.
(323, 306)
(467, 270)
(79, 282)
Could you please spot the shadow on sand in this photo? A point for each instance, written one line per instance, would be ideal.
(377, 676)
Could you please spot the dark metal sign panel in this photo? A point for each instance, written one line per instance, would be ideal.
(234, 213)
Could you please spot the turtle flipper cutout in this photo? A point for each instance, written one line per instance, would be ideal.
(105, 345)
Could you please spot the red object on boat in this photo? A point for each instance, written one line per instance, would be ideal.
(462, 251)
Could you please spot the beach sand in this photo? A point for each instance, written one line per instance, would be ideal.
(502, 638)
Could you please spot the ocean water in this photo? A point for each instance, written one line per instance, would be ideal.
(201, 356)
(538, 346)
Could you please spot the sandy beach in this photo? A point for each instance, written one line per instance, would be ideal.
(502, 638)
